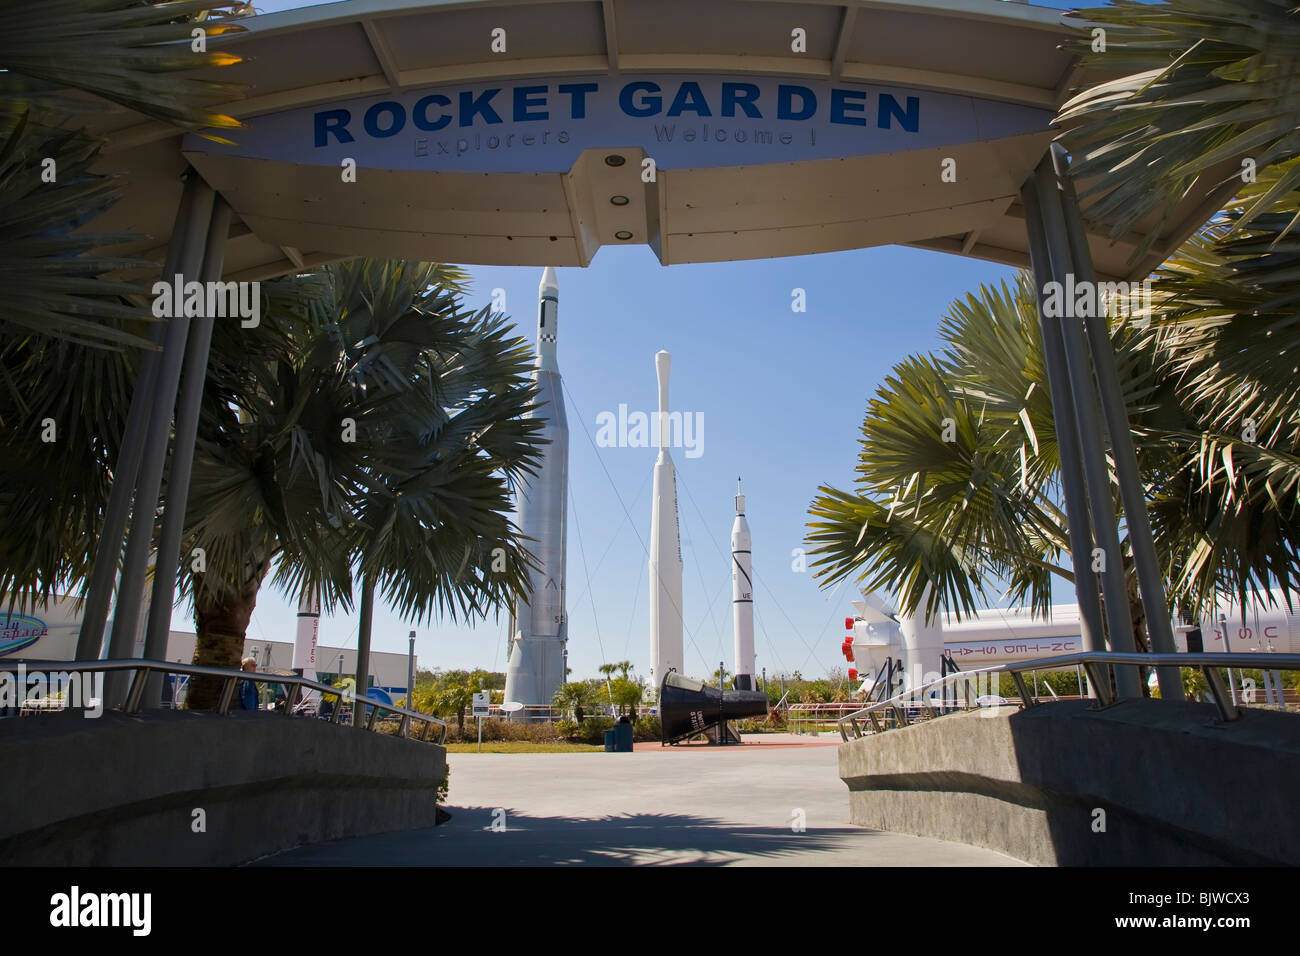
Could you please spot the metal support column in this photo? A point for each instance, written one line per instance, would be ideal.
(1150, 581)
(1092, 451)
(157, 438)
(1058, 381)
(108, 550)
(178, 477)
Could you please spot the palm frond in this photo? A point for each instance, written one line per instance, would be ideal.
(52, 286)
(368, 428)
(136, 55)
(1206, 82)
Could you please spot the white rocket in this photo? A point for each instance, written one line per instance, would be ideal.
(536, 668)
(304, 642)
(665, 550)
(742, 597)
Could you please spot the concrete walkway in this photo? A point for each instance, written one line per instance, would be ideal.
(735, 806)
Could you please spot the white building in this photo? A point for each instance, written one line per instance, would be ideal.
(50, 633)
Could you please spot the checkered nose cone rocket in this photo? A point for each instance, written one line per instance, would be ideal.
(538, 644)
(742, 597)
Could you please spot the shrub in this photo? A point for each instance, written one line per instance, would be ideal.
(443, 788)
(1065, 683)
(590, 731)
(498, 729)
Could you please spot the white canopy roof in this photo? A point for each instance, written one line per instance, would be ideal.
(294, 210)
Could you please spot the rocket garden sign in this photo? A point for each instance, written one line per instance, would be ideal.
(543, 125)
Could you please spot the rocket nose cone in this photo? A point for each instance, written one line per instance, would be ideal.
(548, 281)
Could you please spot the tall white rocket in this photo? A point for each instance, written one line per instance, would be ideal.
(304, 642)
(742, 597)
(665, 549)
(538, 645)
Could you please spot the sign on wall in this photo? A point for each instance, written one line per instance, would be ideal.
(544, 124)
(18, 631)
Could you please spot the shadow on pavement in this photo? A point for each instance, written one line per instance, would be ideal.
(469, 839)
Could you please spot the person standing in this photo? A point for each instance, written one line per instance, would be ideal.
(247, 688)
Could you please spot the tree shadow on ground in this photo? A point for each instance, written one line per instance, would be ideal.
(469, 839)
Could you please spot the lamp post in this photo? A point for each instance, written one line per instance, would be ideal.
(722, 725)
(410, 675)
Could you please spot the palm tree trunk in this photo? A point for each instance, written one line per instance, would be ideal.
(221, 623)
(364, 629)
(1137, 615)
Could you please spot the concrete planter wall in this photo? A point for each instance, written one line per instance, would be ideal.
(1172, 786)
(126, 791)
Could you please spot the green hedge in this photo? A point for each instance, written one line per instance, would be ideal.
(592, 730)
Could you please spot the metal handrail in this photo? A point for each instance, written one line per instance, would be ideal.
(913, 697)
(142, 669)
(1096, 663)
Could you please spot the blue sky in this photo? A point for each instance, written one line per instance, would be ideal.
(781, 394)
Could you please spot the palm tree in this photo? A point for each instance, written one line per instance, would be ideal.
(371, 427)
(1230, 334)
(52, 492)
(932, 519)
(1212, 90)
(452, 692)
(957, 469)
(63, 323)
(575, 697)
(454, 698)
(627, 693)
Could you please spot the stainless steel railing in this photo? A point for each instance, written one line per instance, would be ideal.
(913, 699)
(1097, 664)
(141, 671)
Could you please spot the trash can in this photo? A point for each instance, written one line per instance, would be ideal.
(619, 739)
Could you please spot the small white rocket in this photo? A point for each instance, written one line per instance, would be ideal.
(536, 668)
(742, 597)
(665, 550)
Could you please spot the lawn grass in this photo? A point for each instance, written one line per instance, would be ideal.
(523, 747)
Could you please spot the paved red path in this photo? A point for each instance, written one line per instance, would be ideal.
(750, 742)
